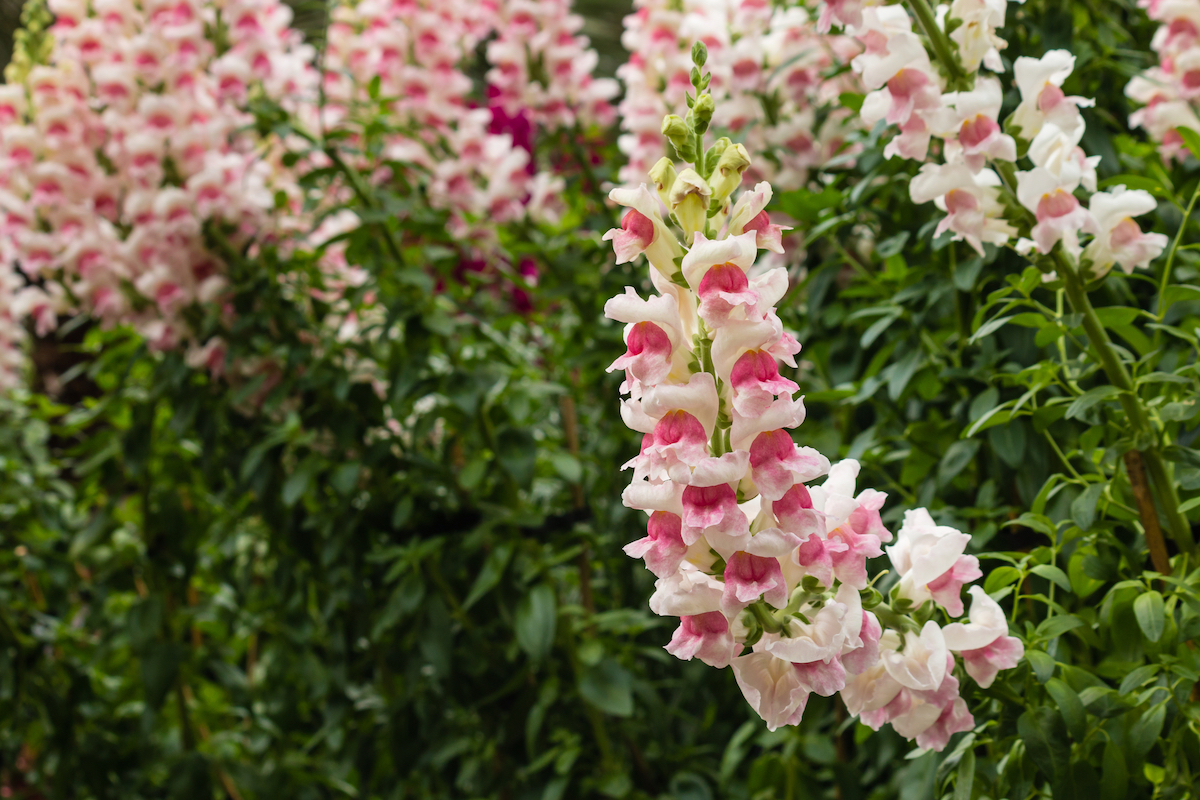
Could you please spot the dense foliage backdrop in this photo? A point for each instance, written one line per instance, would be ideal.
(300, 582)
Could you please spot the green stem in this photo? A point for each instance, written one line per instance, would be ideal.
(1118, 376)
(897, 622)
(765, 618)
(365, 198)
(942, 48)
(1166, 273)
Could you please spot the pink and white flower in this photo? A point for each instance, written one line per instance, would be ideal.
(929, 559)
(1060, 217)
(1040, 81)
(984, 642)
(971, 201)
(1118, 239)
(705, 636)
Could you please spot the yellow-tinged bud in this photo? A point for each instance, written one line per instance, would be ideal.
(689, 201)
(728, 174)
(663, 174)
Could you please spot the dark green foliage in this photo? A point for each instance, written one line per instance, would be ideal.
(297, 582)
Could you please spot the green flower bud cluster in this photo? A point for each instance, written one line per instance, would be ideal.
(686, 133)
(31, 45)
(696, 195)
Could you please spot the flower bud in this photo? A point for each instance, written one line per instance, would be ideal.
(680, 136)
(713, 155)
(699, 53)
(702, 112)
(689, 200)
(728, 174)
(663, 174)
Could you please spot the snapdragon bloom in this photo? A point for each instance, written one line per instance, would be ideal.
(764, 563)
(128, 136)
(1169, 92)
(908, 92)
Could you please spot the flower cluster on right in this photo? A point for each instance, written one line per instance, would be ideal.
(766, 570)
(950, 98)
(1170, 90)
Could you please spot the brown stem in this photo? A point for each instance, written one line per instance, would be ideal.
(251, 657)
(185, 720)
(1136, 470)
(227, 782)
(571, 434)
(193, 599)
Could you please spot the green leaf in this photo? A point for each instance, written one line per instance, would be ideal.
(404, 600)
(1053, 627)
(1191, 139)
(957, 456)
(1053, 573)
(997, 416)
(1045, 738)
(1083, 508)
(966, 273)
(1103, 702)
(1008, 442)
(1117, 316)
(567, 466)
(608, 686)
(989, 327)
(807, 206)
(297, 483)
(1090, 398)
(1038, 522)
(1114, 776)
(1177, 294)
(489, 576)
(1043, 665)
(160, 665)
(1180, 410)
(1130, 181)
(1182, 455)
(1138, 678)
(984, 402)
(345, 477)
(517, 453)
(851, 100)
(1151, 617)
(1145, 731)
(903, 371)
(1070, 706)
(402, 511)
(964, 781)
(1000, 577)
(1081, 583)
(536, 621)
(878, 327)
(1046, 416)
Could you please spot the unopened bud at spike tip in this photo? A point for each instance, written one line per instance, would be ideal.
(699, 53)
